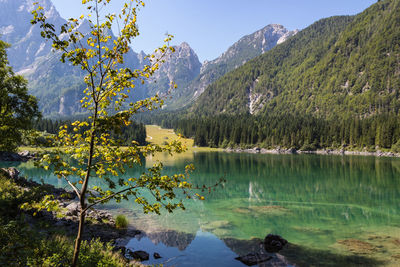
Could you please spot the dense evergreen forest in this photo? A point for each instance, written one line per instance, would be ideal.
(335, 67)
(335, 84)
(297, 131)
(133, 132)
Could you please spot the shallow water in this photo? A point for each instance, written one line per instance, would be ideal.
(334, 209)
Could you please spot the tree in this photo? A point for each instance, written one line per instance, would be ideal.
(17, 107)
(94, 154)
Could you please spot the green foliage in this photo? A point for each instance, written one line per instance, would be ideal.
(132, 132)
(297, 131)
(337, 67)
(12, 197)
(95, 151)
(396, 147)
(22, 244)
(58, 251)
(333, 84)
(17, 107)
(121, 222)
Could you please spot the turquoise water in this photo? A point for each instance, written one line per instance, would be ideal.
(333, 209)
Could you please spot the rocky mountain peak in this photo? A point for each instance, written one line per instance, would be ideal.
(180, 67)
(15, 28)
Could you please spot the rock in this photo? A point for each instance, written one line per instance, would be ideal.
(156, 255)
(274, 243)
(12, 172)
(25, 154)
(73, 209)
(139, 255)
(254, 258)
(21, 156)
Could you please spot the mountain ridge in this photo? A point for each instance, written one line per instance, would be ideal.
(59, 86)
(343, 65)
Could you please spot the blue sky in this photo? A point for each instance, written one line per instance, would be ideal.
(211, 26)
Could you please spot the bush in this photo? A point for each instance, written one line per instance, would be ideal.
(396, 147)
(23, 244)
(121, 222)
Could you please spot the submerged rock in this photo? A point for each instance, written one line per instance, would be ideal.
(274, 243)
(139, 255)
(254, 258)
(156, 255)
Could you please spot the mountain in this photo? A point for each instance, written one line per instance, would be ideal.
(337, 67)
(247, 48)
(180, 67)
(59, 86)
(27, 44)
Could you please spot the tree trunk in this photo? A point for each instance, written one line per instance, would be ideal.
(78, 239)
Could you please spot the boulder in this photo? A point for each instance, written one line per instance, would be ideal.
(254, 258)
(274, 243)
(12, 172)
(73, 209)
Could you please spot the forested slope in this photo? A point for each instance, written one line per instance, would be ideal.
(336, 67)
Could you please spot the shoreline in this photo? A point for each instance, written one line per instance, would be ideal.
(99, 223)
(292, 151)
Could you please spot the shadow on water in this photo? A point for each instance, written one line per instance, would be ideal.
(304, 256)
(292, 254)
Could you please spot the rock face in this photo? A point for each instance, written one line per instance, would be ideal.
(180, 67)
(27, 44)
(59, 86)
(247, 48)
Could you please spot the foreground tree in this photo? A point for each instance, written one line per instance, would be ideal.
(94, 154)
(17, 107)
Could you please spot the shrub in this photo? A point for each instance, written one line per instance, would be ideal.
(396, 147)
(121, 222)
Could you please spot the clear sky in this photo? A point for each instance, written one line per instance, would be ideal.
(211, 26)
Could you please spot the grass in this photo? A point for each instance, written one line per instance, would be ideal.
(121, 222)
(158, 135)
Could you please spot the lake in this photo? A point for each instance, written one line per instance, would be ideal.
(334, 210)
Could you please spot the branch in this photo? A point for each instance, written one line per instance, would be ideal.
(108, 197)
(73, 187)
